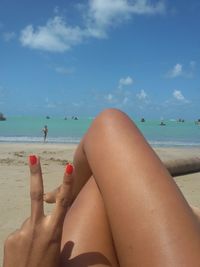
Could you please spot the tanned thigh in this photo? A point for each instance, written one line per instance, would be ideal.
(86, 239)
(152, 224)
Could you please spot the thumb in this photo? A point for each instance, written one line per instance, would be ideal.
(50, 197)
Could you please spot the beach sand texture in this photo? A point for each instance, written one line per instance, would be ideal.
(14, 178)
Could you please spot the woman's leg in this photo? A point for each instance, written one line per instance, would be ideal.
(151, 223)
(86, 239)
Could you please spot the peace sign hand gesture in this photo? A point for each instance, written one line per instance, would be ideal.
(37, 243)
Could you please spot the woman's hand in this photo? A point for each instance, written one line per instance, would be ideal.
(37, 243)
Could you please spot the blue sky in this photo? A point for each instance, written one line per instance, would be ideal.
(79, 57)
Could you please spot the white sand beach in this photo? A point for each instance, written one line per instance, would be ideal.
(14, 178)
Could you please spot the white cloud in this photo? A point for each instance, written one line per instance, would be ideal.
(55, 36)
(118, 97)
(56, 10)
(8, 36)
(110, 98)
(125, 81)
(105, 13)
(177, 94)
(142, 95)
(125, 100)
(63, 70)
(191, 71)
(49, 104)
(176, 71)
(99, 15)
(192, 64)
(77, 104)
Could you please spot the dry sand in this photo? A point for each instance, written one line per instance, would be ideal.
(14, 178)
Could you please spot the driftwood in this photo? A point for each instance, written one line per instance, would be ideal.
(183, 166)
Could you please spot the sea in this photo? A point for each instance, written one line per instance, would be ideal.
(68, 130)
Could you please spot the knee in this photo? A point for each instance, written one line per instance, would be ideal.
(112, 118)
(109, 124)
(110, 128)
(111, 113)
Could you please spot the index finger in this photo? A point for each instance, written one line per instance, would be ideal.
(36, 188)
(64, 196)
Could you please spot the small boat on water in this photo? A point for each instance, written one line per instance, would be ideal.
(2, 117)
(197, 122)
(74, 118)
(180, 120)
(162, 123)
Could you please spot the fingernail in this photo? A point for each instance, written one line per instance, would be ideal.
(69, 169)
(32, 159)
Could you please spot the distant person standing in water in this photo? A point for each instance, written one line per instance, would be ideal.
(45, 131)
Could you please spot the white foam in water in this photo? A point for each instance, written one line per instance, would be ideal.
(26, 139)
(73, 140)
(173, 144)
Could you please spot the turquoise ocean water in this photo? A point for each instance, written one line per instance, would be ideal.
(29, 129)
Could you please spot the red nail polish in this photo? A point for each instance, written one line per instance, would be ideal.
(69, 169)
(32, 159)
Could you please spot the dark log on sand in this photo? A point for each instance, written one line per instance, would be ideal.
(183, 166)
